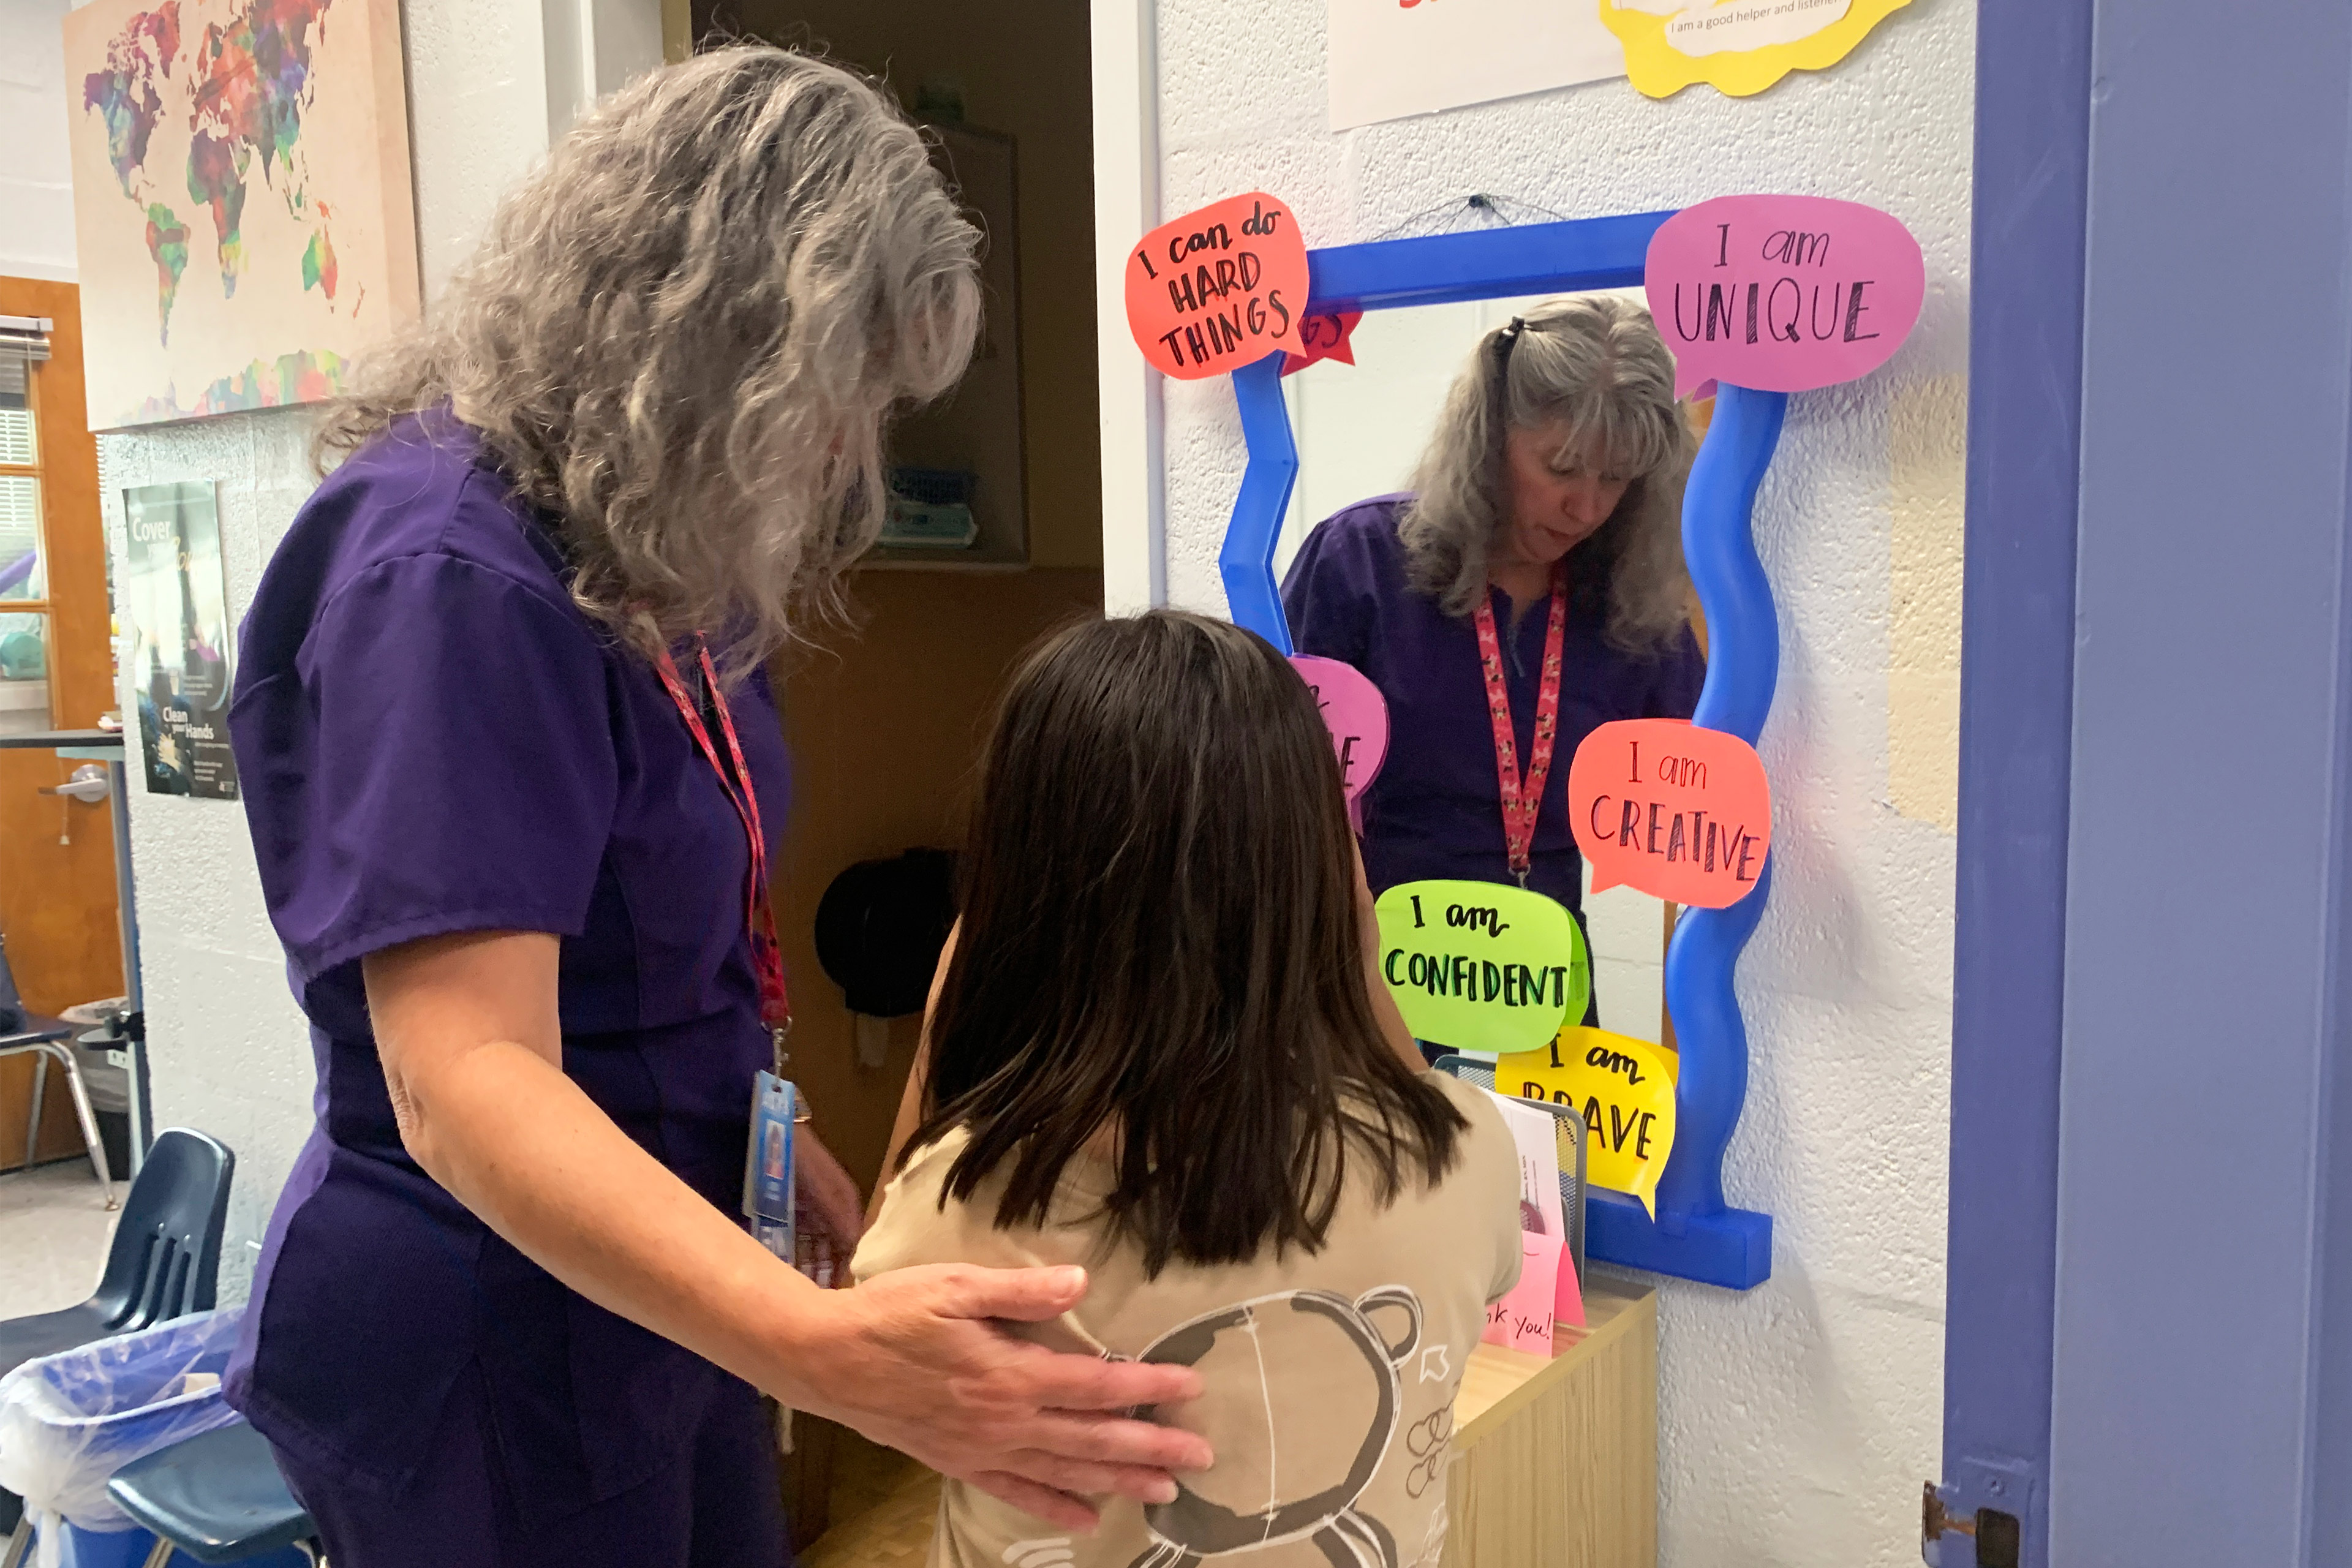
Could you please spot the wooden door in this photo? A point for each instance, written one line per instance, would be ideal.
(56, 855)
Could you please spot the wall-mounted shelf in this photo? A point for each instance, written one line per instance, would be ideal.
(958, 560)
(977, 429)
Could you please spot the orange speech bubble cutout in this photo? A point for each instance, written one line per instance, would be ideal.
(1679, 812)
(1218, 288)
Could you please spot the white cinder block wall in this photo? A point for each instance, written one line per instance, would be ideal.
(1798, 1420)
(230, 1052)
(36, 236)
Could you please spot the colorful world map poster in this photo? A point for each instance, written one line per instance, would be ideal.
(241, 200)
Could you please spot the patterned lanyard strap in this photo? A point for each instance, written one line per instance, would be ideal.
(1522, 799)
(767, 958)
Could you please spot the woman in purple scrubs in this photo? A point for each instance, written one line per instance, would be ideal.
(512, 812)
(1546, 511)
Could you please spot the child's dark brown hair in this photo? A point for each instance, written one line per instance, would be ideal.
(1162, 937)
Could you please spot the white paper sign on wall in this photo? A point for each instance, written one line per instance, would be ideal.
(1391, 59)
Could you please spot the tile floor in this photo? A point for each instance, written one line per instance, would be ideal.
(54, 1230)
(883, 1504)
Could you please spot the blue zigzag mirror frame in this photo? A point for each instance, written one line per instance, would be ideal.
(1696, 1236)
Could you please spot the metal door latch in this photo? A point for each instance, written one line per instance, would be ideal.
(88, 783)
(1994, 1533)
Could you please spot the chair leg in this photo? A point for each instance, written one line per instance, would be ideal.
(89, 1118)
(20, 1541)
(40, 1093)
(160, 1553)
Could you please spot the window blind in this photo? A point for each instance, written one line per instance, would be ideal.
(24, 342)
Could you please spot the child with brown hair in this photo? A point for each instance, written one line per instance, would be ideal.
(1158, 1049)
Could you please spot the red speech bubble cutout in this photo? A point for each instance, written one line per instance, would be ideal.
(1783, 293)
(1679, 812)
(1356, 714)
(1324, 337)
(1218, 288)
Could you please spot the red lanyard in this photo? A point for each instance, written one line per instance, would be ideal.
(767, 958)
(1523, 798)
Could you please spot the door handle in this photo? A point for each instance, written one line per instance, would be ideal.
(88, 784)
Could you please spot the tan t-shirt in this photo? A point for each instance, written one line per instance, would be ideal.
(1330, 1377)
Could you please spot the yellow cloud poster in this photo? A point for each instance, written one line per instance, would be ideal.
(1740, 47)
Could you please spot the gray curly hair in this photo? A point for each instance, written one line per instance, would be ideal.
(1593, 365)
(684, 334)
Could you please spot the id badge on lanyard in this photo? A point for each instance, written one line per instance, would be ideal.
(770, 1201)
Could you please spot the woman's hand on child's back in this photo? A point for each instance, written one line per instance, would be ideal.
(918, 1359)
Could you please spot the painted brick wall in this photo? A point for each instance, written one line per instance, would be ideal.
(1796, 1420)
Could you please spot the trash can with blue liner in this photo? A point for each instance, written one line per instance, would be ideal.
(68, 1422)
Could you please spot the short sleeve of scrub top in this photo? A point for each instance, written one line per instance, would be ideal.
(450, 769)
(1331, 597)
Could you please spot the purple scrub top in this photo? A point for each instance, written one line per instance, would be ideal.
(1435, 809)
(433, 738)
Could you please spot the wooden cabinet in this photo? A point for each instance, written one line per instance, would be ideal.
(1556, 1462)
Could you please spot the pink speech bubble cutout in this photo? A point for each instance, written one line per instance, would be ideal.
(1783, 293)
(1356, 714)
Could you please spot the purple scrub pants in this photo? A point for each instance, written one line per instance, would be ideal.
(717, 1507)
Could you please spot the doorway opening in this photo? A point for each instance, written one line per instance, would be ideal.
(996, 538)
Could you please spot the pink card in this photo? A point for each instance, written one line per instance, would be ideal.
(1522, 1319)
(1567, 1304)
(1547, 1288)
(1783, 293)
(1356, 714)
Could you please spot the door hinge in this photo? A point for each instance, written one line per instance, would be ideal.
(1993, 1531)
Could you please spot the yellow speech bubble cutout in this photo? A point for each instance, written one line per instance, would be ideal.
(1623, 1087)
(1742, 47)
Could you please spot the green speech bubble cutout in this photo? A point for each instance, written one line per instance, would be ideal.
(1481, 966)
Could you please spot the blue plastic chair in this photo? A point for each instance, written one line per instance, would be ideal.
(43, 1038)
(217, 1497)
(164, 1262)
(166, 1259)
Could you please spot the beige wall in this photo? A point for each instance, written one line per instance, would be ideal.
(1023, 71)
(884, 736)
